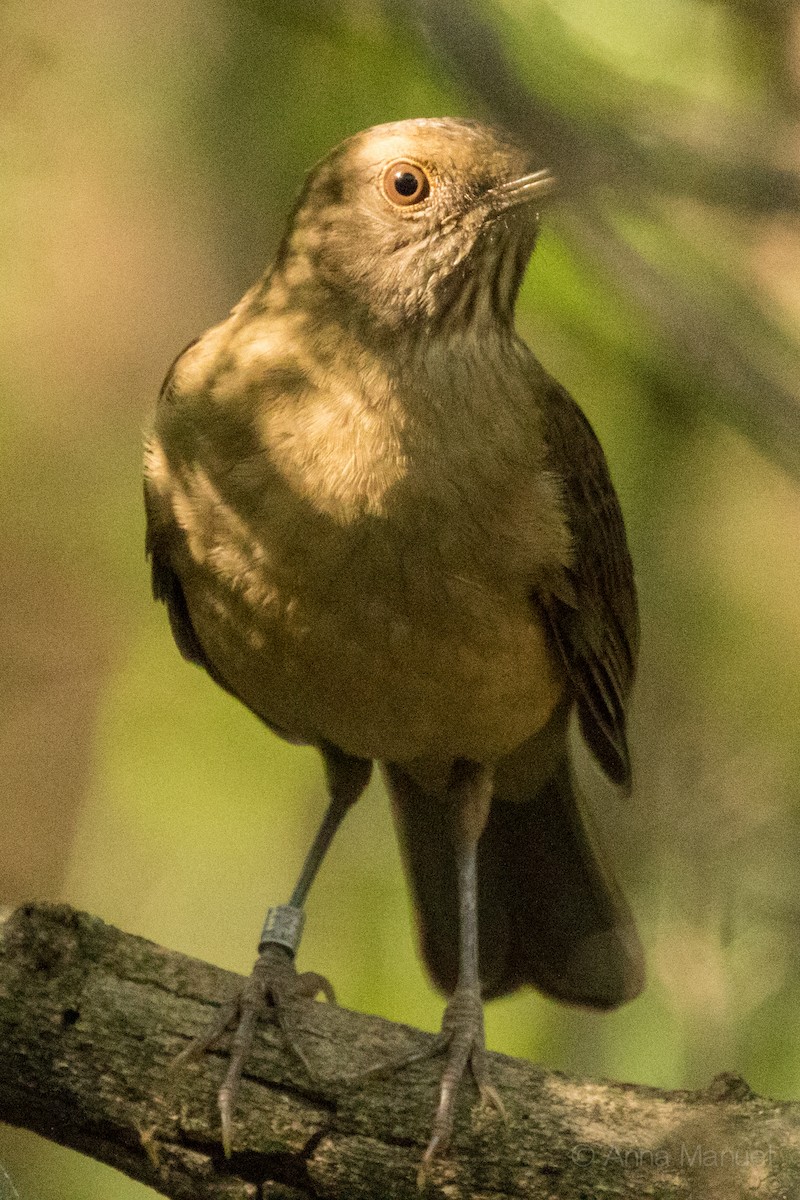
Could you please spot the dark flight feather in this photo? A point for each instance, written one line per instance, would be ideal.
(595, 632)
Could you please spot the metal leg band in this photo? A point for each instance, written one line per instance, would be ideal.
(283, 926)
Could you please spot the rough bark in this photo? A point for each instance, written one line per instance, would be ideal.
(90, 1018)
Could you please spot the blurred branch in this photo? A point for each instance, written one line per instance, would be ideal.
(707, 362)
(773, 24)
(705, 355)
(603, 153)
(90, 1017)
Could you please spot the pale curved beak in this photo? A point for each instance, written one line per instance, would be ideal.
(527, 189)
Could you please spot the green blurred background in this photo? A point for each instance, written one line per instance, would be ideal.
(151, 153)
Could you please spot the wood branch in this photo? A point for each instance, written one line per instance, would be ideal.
(91, 1017)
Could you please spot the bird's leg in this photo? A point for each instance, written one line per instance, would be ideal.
(274, 983)
(462, 1035)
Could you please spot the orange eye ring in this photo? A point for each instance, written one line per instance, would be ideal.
(405, 183)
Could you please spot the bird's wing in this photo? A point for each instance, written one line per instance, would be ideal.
(167, 587)
(166, 582)
(593, 622)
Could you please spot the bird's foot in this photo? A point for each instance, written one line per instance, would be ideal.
(270, 990)
(462, 1038)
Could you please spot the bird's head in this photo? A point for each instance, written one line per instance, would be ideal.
(429, 221)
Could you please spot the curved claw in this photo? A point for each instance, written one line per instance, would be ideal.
(310, 985)
(222, 1022)
(437, 1045)
(463, 1035)
(434, 1146)
(241, 1046)
(269, 990)
(491, 1098)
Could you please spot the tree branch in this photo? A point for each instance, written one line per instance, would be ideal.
(90, 1018)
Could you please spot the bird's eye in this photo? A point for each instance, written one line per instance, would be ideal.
(405, 183)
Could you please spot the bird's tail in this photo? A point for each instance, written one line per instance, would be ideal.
(549, 915)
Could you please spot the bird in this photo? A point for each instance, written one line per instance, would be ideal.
(376, 520)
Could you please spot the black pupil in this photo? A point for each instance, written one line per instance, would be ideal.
(405, 183)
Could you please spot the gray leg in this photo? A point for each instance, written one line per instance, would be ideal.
(462, 1026)
(274, 983)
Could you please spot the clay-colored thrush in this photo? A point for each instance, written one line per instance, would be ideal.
(377, 521)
